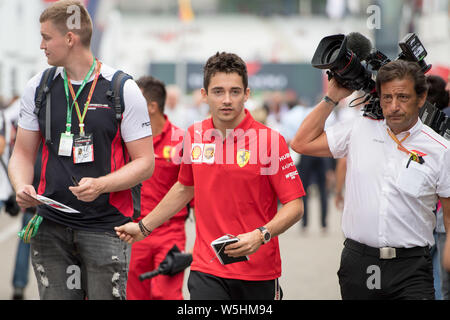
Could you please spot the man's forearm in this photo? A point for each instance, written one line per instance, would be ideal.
(139, 169)
(310, 138)
(445, 202)
(20, 171)
(312, 127)
(177, 198)
(127, 176)
(289, 214)
(21, 163)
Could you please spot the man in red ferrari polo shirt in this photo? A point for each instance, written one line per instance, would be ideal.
(237, 169)
(146, 255)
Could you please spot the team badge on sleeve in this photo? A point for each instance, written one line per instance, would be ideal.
(242, 157)
(208, 153)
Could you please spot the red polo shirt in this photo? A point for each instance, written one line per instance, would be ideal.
(238, 181)
(167, 147)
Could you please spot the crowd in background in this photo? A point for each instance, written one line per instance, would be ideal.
(280, 110)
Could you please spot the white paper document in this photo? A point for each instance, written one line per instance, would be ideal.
(53, 204)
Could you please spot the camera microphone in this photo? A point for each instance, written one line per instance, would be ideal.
(359, 45)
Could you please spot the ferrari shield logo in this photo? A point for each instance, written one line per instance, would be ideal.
(167, 152)
(242, 157)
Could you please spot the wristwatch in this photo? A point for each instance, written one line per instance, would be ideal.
(265, 235)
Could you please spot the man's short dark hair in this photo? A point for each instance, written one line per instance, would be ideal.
(402, 69)
(437, 94)
(153, 90)
(227, 63)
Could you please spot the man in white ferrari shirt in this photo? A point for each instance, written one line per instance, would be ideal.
(397, 169)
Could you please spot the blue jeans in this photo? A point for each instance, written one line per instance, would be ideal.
(75, 265)
(20, 278)
(435, 255)
(445, 275)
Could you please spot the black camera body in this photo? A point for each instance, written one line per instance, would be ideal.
(343, 56)
(437, 120)
(345, 66)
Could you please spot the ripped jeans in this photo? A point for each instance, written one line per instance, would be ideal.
(76, 265)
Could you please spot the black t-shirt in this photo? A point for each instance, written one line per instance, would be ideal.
(110, 209)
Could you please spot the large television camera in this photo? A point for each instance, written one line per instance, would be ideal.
(353, 62)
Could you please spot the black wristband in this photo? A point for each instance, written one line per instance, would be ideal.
(145, 232)
(329, 100)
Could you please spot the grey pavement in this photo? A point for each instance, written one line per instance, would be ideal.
(310, 259)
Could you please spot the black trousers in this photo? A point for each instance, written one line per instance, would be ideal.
(204, 286)
(313, 170)
(366, 277)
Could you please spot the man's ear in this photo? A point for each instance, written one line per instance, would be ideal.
(422, 99)
(247, 94)
(70, 38)
(152, 107)
(204, 93)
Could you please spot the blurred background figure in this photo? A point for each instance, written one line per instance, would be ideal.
(438, 96)
(312, 170)
(447, 88)
(174, 109)
(5, 137)
(277, 108)
(9, 116)
(148, 254)
(198, 110)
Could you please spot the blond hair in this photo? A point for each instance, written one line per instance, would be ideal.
(62, 13)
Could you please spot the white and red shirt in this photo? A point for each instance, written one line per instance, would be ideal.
(389, 202)
(238, 182)
(110, 154)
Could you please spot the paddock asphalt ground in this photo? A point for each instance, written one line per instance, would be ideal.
(310, 259)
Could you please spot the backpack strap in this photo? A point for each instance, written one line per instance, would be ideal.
(43, 91)
(115, 93)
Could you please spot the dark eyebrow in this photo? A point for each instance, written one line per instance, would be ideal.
(222, 88)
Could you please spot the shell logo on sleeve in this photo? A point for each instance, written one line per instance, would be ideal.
(197, 152)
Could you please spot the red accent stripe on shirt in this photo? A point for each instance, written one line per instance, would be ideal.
(434, 139)
(121, 200)
(44, 159)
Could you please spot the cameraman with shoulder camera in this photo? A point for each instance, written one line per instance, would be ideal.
(397, 169)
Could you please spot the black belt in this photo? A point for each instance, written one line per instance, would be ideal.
(386, 252)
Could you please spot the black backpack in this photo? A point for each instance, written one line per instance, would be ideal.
(115, 95)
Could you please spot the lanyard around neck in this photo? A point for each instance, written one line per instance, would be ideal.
(67, 86)
(412, 155)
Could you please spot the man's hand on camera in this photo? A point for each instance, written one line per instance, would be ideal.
(336, 92)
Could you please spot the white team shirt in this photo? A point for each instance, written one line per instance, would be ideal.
(387, 204)
(135, 122)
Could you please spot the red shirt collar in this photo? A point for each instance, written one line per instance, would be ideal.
(166, 128)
